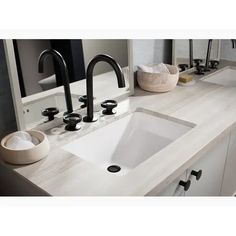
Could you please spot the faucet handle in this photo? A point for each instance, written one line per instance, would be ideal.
(84, 100)
(197, 62)
(50, 112)
(109, 105)
(200, 70)
(72, 120)
(214, 64)
(183, 67)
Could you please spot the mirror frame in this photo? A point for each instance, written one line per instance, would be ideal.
(174, 50)
(14, 82)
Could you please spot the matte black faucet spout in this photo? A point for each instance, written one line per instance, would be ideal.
(89, 81)
(190, 53)
(208, 55)
(64, 72)
(233, 43)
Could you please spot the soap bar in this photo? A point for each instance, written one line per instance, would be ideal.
(185, 78)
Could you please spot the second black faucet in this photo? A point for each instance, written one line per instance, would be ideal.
(64, 73)
(89, 81)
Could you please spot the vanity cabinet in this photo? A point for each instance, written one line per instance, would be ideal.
(174, 189)
(206, 175)
(229, 180)
(204, 178)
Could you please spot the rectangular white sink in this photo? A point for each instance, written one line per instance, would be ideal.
(129, 141)
(225, 77)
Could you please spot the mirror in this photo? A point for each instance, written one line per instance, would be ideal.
(180, 53)
(38, 91)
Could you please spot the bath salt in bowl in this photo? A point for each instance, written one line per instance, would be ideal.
(25, 156)
(159, 82)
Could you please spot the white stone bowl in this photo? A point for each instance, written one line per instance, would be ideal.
(25, 156)
(158, 82)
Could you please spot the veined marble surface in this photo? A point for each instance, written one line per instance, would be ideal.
(211, 107)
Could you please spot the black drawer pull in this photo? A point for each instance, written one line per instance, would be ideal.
(197, 174)
(185, 184)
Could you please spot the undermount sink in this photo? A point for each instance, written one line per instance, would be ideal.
(125, 143)
(32, 110)
(225, 77)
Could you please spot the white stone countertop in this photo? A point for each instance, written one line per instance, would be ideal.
(211, 107)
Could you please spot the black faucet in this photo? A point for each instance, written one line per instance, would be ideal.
(208, 55)
(64, 73)
(233, 43)
(190, 53)
(89, 81)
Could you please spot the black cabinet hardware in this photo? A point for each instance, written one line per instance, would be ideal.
(197, 174)
(185, 184)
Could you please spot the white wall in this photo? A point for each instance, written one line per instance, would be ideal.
(143, 51)
(227, 52)
(151, 51)
(113, 47)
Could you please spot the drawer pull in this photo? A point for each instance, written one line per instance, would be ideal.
(197, 174)
(185, 184)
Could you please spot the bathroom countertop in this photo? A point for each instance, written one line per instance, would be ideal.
(211, 107)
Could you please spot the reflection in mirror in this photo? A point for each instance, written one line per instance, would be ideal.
(181, 50)
(42, 90)
(77, 54)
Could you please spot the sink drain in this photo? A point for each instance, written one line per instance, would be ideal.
(113, 168)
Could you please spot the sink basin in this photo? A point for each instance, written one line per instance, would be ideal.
(125, 143)
(225, 77)
(32, 109)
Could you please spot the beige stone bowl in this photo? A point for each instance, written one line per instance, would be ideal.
(158, 82)
(25, 156)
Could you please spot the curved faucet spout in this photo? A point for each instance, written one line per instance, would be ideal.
(63, 70)
(190, 53)
(89, 81)
(233, 43)
(206, 68)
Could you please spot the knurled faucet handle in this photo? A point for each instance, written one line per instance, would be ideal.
(84, 100)
(50, 112)
(197, 61)
(214, 64)
(72, 120)
(199, 70)
(109, 105)
(183, 67)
